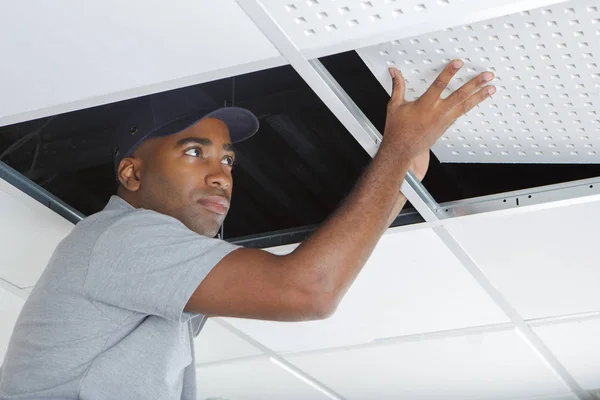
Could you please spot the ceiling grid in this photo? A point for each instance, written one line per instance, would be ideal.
(338, 102)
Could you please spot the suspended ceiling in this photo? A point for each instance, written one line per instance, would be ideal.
(487, 306)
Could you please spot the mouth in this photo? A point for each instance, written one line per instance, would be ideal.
(217, 204)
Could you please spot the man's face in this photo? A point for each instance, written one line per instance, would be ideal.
(188, 175)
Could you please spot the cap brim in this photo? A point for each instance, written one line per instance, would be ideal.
(241, 123)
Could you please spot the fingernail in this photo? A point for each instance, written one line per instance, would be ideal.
(457, 63)
(488, 76)
(391, 71)
(491, 90)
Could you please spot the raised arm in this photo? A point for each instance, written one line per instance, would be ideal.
(309, 282)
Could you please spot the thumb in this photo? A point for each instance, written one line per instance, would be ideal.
(398, 85)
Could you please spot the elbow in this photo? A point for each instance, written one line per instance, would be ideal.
(317, 294)
(321, 305)
(326, 309)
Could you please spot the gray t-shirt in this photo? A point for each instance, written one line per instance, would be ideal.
(106, 318)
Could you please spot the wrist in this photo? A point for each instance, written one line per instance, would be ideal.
(397, 156)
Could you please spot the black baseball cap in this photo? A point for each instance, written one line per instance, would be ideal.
(168, 113)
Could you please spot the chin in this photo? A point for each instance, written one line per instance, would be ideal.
(204, 224)
(203, 228)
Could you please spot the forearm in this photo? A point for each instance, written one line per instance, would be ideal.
(398, 205)
(333, 256)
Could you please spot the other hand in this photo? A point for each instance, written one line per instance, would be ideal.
(412, 127)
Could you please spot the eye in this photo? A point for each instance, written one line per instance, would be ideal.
(194, 152)
(229, 160)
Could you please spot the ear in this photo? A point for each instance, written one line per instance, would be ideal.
(128, 173)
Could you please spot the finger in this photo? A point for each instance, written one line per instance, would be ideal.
(466, 91)
(441, 82)
(470, 103)
(398, 86)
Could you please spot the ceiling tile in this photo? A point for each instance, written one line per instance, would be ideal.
(577, 347)
(215, 343)
(493, 365)
(322, 27)
(543, 262)
(10, 308)
(106, 52)
(547, 76)
(30, 232)
(411, 284)
(566, 396)
(257, 379)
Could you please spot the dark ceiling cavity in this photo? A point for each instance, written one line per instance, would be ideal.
(290, 176)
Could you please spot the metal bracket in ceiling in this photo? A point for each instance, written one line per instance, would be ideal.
(38, 193)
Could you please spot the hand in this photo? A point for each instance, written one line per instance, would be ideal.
(413, 127)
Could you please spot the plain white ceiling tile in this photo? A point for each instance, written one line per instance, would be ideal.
(257, 379)
(10, 307)
(544, 262)
(102, 52)
(215, 343)
(577, 347)
(493, 365)
(411, 284)
(29, 233)
(566, 396)
(547, 75)
(322, 27)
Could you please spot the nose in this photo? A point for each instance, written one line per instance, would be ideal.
(219, 178)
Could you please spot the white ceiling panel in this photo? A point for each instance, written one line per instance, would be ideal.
(544, 262)
(215, 343)
(257, 379)
(411, 284)
(10, 307)
(29, 233)
(548, 79)
(566, 396)
(577, 346)
(496, 365)
(67, 54)
(322, 27)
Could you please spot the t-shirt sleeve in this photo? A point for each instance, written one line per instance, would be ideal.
(151, 263)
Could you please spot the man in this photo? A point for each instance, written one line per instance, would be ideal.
(114, 314)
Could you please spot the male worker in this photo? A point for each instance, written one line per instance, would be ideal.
(115, 312)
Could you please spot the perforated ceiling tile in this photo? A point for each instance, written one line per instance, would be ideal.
(321, 27)
(547, 66)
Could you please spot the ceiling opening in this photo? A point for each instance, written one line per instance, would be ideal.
(291, 175)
